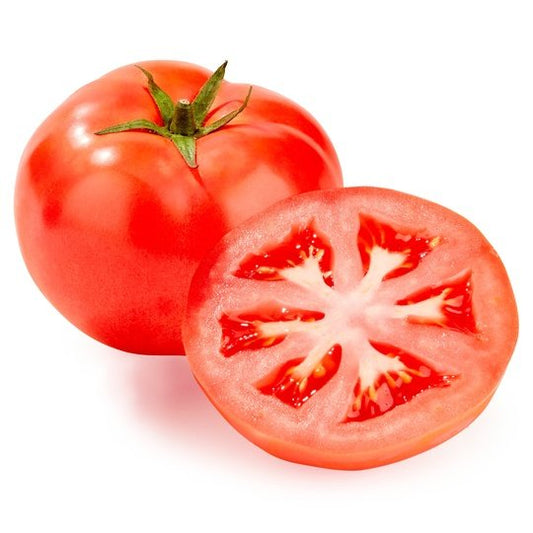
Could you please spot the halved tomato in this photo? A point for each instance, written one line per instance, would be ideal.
(351, 328)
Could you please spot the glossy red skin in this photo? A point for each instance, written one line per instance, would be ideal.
(315, 433)
(112, 227)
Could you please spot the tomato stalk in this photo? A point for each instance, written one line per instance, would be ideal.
(183, 122)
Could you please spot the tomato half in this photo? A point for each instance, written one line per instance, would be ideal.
(113, 226)
(351, 328)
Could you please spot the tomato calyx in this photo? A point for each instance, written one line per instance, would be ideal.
(185, 121)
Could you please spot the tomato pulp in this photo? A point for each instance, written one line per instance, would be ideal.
(112, 226)
(351, 328)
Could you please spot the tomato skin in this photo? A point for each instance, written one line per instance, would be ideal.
(112, 227)
(318, 433)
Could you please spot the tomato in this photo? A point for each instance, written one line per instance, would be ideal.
(351, 328)
(127, 184)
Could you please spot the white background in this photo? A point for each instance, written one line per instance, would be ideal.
(432, 98)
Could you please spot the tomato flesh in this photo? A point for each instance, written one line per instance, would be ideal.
(401, 381)
(351, 328)
(260, 328)
(301, 246)
(385, 253)
(294, 385)
(375, 237)
(453, 301)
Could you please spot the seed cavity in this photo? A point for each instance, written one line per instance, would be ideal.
(295, 382)
(303, 257)
(447, 305)
(390, 377)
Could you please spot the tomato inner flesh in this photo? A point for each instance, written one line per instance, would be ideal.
(447, 305)
(386, 376)
(297, 380)
(265, 326)
(375, 236)
(304, 249)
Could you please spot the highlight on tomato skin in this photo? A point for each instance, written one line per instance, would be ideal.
(400, 353)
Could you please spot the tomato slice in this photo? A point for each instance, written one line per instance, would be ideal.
(351, 328)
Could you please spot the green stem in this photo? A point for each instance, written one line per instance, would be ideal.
(184, 122)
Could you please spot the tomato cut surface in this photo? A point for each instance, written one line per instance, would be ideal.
(351, 328)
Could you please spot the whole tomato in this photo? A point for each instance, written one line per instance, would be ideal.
(124, 188)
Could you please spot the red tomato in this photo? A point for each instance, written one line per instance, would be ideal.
(351, 328)
(113, 226)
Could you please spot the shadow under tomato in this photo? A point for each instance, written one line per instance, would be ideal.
(164, 395)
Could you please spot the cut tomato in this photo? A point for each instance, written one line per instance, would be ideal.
(351, 328)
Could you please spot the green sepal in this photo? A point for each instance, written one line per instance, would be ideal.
(161, 98)
(206, 130)
(187, 148)
(207, 94)
(139, 124)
